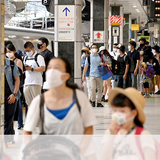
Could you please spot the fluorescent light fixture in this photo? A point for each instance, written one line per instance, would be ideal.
(134, 6)
(26, 37)
(12, 36)
(137, 10)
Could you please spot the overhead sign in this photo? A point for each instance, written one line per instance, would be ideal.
(135, 27)
(66, 23)
(99, 36)
(116, 20)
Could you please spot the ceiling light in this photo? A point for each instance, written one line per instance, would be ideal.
(12, 36)
(26, 37)
(134, 6)
(137, 10)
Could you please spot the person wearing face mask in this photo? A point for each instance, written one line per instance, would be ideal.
(93, 61)
(64, 107)
(12, 93)
(134, 56)
(11, 55)
(85, 53)
(128, 118)
(115, 52)
(34, 66)
(156, 53)
(44, 51)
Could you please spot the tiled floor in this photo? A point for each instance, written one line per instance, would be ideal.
(152, 111)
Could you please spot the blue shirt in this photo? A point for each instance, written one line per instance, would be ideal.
(61, 113)
(8, 74)
(83, 65)
(94, 63)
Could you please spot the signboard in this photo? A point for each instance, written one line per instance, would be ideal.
(66, 23)
(146, 37)
(135, 27)
(99, 36)
(115, 31)
(116, 20)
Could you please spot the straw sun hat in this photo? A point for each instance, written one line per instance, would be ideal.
(135, 97)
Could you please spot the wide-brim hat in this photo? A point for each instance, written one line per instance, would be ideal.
(85, 49)
(134, 96)
(102, 48)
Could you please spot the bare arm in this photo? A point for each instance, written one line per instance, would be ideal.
(88, 130)
(36, 69)
(27, 133)
(137, 66)
(16, 85)
(20, 64)
(126, 71)
(84, 72)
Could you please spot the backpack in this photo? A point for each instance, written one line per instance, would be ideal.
(138, 142)
(42, 108)
(116, 65)
(35, 58)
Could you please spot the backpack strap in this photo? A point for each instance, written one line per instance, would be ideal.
(138, 141)
(36, 59)
(12, 68)
(42, 112)
(75, 96)
(89, 62)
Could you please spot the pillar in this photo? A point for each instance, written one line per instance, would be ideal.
(2, 67)
(115, 10)
(99, 21)
(69, 49)
(159, 32)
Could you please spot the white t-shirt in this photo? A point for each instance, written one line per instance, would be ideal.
(73, 123)
(34, 78)
(115, 55)
(126, 147)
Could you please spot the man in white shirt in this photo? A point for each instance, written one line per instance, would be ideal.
(34, 65)
(115, 52)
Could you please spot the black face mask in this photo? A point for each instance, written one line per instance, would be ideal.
(39, 46)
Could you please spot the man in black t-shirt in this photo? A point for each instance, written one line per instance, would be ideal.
(134, 63)
(123, 62)
(47, 54)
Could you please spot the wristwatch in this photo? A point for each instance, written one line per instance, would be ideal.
(15, 94)
(32, 69)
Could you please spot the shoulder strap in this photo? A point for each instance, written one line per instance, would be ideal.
(138, 141)
(89, 62)
(36, 59)
(42, 111)
(12, 68)
(75, 96)
(125, 57)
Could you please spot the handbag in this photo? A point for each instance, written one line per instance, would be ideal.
(104, 71)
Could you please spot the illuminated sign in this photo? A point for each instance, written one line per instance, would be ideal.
(155, 9)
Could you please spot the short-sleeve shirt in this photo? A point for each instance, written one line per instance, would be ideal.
(123, 61)
(135, 56)
(74, 122)
(47, 55)
(94, 63)
(34, 78)
(9, 77)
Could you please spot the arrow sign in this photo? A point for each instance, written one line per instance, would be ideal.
(66, 10)
(98, 35)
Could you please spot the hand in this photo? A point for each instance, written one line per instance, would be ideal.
(11, 99)
(113, 128)
(135, 72)
(28, 68)
(101, 63)
(124, 77)
(83, 79)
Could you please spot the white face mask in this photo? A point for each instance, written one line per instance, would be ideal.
(114, 49)
(141, 53)
(154, 51)
(29, 54)
(94, 51)
(120, 117)
(9, 55)
(53, 78)
(129, 48)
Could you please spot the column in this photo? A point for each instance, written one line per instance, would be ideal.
(69, 48)
(2, 67)
(99, 22)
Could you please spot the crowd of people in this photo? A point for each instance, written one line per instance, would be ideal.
(139, 68)
(40, 81)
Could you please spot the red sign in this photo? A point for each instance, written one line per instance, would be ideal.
(116, 20)
(98, 35)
